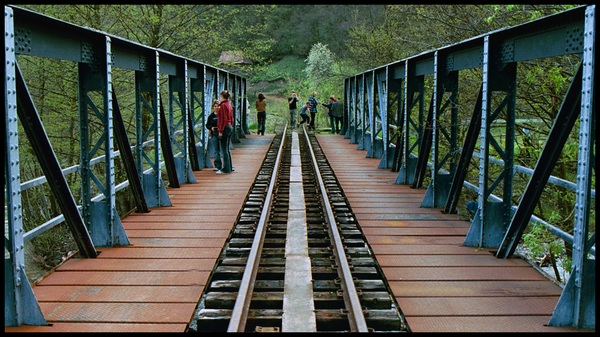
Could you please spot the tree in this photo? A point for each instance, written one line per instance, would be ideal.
(319, 62)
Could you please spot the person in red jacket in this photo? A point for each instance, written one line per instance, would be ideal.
(225, 125)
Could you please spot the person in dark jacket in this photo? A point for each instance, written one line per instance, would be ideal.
(337, 110)
(213, 134)
(292, 100)
(329, 107)
(313, 109)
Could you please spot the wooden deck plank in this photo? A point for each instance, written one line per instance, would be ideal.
(108, 278)
(118, 293)
(471, 288)
(102, 312)
(474, 324)
(96, 327)
(121, 264)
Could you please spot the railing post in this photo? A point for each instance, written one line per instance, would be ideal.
(101, 216)
(20, 304)
(413, 86)
(491, 218)
(147, 89)
(210, 79)
(178, 103)
(577, 303)
(384, 81)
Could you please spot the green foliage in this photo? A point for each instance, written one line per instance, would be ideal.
(504, 13)
(289, 68)
(296, 28)
(541, 244)
(380, 38)
(47, 250)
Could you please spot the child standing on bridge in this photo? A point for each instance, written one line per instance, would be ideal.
(213, 133)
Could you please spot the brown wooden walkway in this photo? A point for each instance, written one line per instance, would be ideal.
(154, 284)
(440, 285)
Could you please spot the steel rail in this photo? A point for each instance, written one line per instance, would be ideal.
(239, 314)
(355, 313)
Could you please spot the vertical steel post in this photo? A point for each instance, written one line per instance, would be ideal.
(430, 199)
(178, 118)
(347, 108)
(351, 122)
(383, 81)
(20, 304)
(577, 304)
(147, 85)
(492, 217)
(101, 216)
(361, 117)
(197, 118)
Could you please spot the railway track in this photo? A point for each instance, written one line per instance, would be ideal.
(296, 259)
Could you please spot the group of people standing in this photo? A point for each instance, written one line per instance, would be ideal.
(308, 112)
(220, 126)
(220, 122)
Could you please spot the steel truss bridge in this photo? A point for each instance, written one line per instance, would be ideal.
(405, 113)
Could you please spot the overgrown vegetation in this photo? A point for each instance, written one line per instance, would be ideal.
(303, 48)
